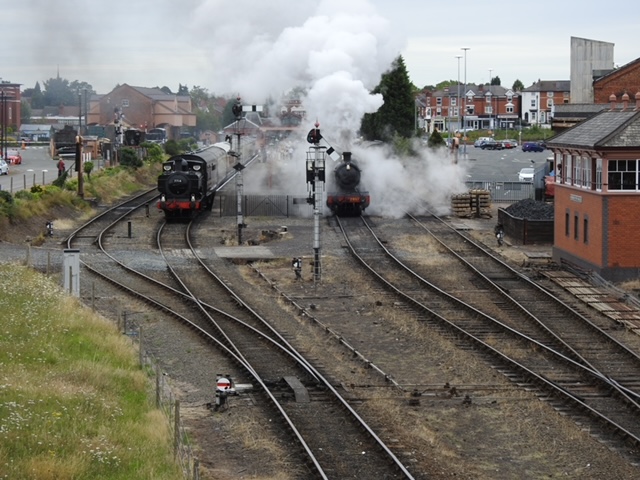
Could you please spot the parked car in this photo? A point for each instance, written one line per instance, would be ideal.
(491, 145)
(4, 168)
(478, 143)
(14, 157)
(509, 143)
(533, 147)
(526, 174)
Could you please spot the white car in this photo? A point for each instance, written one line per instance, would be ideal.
(526, 174)
(4, 168)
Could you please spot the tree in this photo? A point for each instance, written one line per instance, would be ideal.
(436, 140)
(495, 80)
(446, 83)
(58, 91)
(207, 118)
(518, 86)
(397, 115)
(227, 116)
(25, 111)
(37, 98)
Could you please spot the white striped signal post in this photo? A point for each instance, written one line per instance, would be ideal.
(315, 175)
(238, 109)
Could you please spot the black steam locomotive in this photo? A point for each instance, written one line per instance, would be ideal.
(347, 200)
(187, 182)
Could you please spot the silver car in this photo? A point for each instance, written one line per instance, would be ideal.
(4, 168)
(526, 174)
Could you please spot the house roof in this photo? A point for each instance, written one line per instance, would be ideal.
(34, 127)
(603, 75)
(607, 129)
(549, 86)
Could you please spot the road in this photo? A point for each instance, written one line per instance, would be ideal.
(37, 168)
(499, 165)
(482, 165)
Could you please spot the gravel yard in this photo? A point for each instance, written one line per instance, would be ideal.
(484, 428)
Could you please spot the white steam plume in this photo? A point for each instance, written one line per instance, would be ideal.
(336, 51)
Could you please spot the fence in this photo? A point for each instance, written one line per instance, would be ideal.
(264, 205)
(165, 401)
(506, 192)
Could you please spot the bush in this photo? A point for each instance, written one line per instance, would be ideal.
(171, 147)
(5, 197)
(88, 167)
(129, 158)
(26, 194)
(154, 152)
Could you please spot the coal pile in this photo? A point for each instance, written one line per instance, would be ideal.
(531, 210)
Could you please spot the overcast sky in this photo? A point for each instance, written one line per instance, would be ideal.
(263, 47)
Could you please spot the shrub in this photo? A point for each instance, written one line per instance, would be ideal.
(5, 197)
(129, 158)
(172, 147)
(88, 167)
(154, 152)
(27, 195)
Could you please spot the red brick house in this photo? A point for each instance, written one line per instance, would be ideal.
(10, 100)
(597, 192)
(142, 108)
(485, 107)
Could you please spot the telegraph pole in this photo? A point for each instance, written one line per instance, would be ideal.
(79, 165)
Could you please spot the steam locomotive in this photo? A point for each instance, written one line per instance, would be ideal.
(347, 200)
(188, 181)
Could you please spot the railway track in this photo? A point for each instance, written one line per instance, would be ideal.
(596, 385)
(334, 442)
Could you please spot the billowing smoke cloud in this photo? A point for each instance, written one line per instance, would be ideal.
(334, 51)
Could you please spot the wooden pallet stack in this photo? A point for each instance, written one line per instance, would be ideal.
(473, 204)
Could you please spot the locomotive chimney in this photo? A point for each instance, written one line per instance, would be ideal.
(346, 156)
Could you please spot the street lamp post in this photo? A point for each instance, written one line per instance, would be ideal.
(464, 133)
(491, 99)
(458, 97)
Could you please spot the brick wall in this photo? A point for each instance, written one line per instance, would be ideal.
(623, 80)
(623, 233)
(580, 204)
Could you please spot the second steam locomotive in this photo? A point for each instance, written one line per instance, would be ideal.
(347, 199)
(188, 181)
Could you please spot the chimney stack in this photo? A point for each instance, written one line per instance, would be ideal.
(625, 101)
(637, 100)
(612, 101)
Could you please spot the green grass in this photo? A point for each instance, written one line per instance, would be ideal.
(73, 400)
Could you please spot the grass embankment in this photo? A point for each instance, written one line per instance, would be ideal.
(40, 202)
(73, 400)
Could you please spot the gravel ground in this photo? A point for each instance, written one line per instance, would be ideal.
(499, 432)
